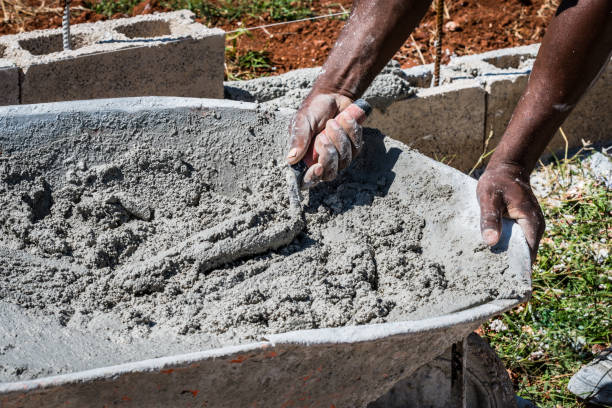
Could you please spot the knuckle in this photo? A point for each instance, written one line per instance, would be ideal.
(352, 129)
(343, 145)
(348, 123)
(330, 169)
(323, 143)
(490, 217)
(485, 188)
(299, 129)
(331, 124)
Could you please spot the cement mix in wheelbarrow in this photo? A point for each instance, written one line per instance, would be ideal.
(145, 250)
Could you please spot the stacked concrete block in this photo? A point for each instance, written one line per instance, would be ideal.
(503, 74)
(165, 54)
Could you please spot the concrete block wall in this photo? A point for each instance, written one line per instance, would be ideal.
(167, 54)
(451, 122)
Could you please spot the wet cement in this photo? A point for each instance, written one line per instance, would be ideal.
(146, 254)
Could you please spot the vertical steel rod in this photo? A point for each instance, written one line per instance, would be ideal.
(438, 43)
(66, 25)
(458, 372)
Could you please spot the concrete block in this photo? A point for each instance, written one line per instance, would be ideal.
(503, 93)
(504, 80)
(166, 54)
(421, 76)
(9, 82)
(510, 58)
(445, 123)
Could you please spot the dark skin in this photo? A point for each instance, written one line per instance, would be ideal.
(576, 47)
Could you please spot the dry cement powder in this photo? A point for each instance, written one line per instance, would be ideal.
(144, 246)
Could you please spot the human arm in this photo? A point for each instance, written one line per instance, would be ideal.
(575, 49)
(374, 32)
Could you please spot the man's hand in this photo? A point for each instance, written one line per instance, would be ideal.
(340, 143)
(504, 189)
(373, 33)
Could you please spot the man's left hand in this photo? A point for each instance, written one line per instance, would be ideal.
(504, 190)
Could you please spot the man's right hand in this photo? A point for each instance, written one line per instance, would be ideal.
(340, 143)
(373, 33)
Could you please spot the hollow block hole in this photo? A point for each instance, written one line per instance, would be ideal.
(508, 61)
(145, 29)
(51, 43)
(421, 81)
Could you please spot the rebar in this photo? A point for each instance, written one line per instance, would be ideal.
(66, 26)
(438, 43)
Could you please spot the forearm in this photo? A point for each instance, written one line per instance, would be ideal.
(576, 47)
(373, 33)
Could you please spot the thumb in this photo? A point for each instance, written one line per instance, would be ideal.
(491, 207)
(300, 135)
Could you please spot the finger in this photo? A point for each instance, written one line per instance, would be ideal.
(309, 121)
(328, 156)
(341, 142)
(491, 207)
(300, 135)
(529, 217)
(312, 176)
(328, 162)
(352, 129)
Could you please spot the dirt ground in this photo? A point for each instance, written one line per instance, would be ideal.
(471, 26)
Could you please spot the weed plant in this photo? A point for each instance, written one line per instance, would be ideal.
(213, 11)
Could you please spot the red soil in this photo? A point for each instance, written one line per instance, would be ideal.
(474, 26)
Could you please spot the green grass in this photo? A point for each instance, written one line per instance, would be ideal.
(244, 64)
(111, 7)
(213, 11)
(253, 60)
(569, 315)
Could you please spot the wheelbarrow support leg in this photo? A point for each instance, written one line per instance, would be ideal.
(458, 371)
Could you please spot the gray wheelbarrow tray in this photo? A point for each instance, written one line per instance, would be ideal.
(329, 367)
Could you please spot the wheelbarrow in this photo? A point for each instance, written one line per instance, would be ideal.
(350, 366)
